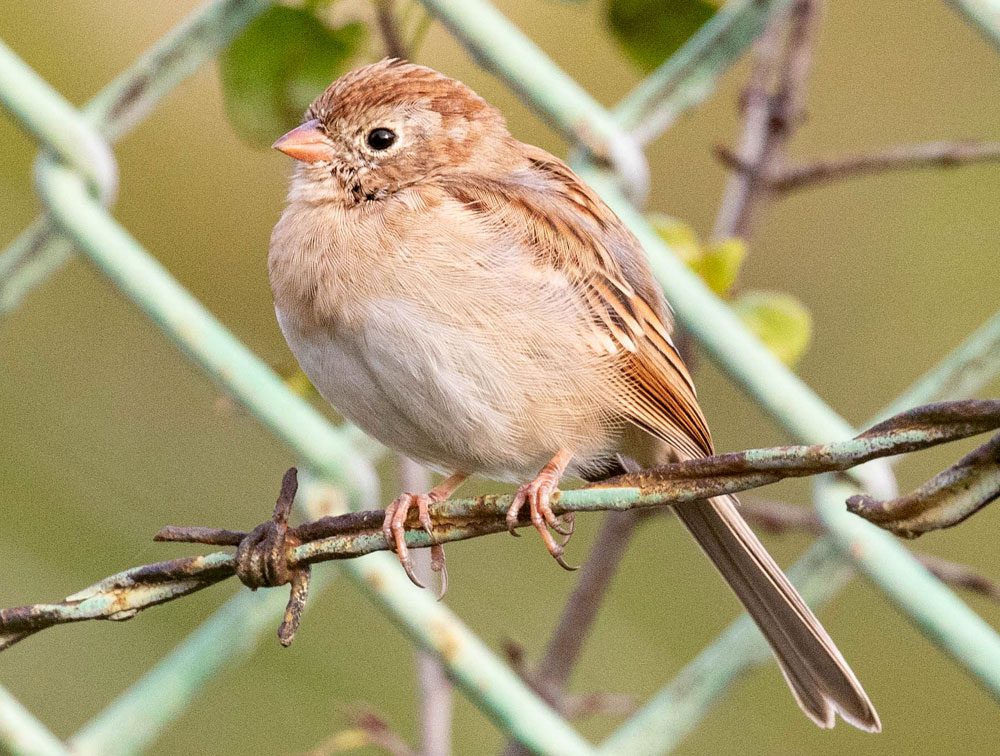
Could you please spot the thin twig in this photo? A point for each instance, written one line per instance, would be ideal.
(770, 118)
(741, 189)
(900, 157)
(347, 536)
(392, 39)
(779, 517)
(961, 576)
(570, 705)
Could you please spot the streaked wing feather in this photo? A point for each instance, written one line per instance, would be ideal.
(554, 213)
(562, 218)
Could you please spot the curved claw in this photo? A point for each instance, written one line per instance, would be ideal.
(438, 565)
(568, 521)
(394, 529)
(537, 494)
(514, 510)
(564, 564)
(407, 565)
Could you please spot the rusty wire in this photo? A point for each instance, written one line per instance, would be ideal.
(274, 554)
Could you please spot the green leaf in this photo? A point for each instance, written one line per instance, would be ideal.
(678, 235)
(651, 30)
(719, 265)
(780, 320)
(277, 66)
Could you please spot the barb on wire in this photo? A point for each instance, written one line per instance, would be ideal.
(945, 500)
(273, 553)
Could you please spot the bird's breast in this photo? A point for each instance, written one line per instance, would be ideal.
(444, 343)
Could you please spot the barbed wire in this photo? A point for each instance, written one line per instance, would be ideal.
(274, 554)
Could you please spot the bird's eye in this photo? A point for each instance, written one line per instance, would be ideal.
(381, 139)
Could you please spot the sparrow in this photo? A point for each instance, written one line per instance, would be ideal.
(469, 301)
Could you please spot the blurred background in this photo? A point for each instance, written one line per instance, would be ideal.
(107, 433)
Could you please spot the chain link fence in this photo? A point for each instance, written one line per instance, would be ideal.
(76, 179)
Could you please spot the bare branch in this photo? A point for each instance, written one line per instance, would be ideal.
(742, 188)
(571, 705)
(770, 117)
(901, 157)
(392, 39)
(779, 517)
(961, 576)
(264, 557)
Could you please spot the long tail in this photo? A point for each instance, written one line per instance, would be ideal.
(814, 668)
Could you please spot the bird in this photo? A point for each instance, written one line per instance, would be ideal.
(469, 301)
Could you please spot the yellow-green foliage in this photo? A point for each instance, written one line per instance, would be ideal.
(779, 319)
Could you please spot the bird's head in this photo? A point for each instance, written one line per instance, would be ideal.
(388, 126)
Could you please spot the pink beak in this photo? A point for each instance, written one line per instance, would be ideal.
(307, 143)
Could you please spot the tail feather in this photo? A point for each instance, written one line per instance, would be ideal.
(820, 679)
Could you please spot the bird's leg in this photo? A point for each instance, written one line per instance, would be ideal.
(536, 495)
(394, 525)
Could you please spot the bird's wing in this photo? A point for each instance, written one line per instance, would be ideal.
(550, 211)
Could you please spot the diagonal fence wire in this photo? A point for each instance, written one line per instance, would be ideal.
(22, 733)
(39, 251)
(982, 14)
(585, 123)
